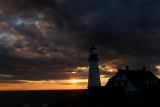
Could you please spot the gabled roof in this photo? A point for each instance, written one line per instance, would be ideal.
(138, 74)
(139, 78)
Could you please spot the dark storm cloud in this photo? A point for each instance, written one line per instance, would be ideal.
(51, 37)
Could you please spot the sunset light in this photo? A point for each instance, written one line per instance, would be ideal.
(108, 68)
(158, 67)
(76, 81)
(82, 69)
(79, 53)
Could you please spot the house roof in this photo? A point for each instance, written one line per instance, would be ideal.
(137, 77)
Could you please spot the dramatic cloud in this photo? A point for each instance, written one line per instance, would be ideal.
(49, 39)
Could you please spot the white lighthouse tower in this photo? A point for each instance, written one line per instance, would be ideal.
(94, 77)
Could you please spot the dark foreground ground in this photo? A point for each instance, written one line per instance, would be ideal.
(76, 98)
(26, 98)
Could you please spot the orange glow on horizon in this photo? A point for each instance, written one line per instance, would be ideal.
(45, 85)
(76, 81)
(16, 87)
(49, 85)
(67, 84)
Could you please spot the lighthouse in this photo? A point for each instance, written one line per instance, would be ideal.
(93, 77)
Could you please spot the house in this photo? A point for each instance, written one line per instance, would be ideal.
(134, 81)
(125, 80)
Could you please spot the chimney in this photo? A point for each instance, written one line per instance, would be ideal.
(144, 68)
(127, 68)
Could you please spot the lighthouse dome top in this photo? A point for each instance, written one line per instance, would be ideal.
(93, 50)
(93, 54)
(92, 47)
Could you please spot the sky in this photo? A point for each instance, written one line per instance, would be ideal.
(44, 44)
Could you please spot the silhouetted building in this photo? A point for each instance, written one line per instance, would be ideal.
(127, 87)
(134, 81)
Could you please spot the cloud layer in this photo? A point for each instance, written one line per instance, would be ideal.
(49, 39)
